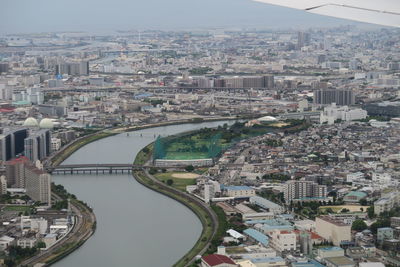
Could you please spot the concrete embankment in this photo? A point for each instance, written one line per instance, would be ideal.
(206, 215)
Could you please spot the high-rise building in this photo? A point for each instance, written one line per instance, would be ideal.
(74, 68)
(12, 143)
(3, 185)
(303, 39)
(253, 82)
(298, 190)
(38, 145)
(6, 152)
(38, 184)
(21, 173)
(5, 92)
(4, 67)
(15, 172)
(269, 81)
(329, 96)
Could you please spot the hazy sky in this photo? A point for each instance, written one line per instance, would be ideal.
(20, 16)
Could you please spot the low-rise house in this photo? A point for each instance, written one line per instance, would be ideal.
(6, 241)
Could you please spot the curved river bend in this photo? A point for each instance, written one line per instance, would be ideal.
(135, 225)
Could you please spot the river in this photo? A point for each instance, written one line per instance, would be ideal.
(135, 225)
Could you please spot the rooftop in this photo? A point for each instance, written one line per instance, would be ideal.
(340, 260)
(216, 259)
(258, 236)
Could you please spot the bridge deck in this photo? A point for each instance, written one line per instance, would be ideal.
(93, 168)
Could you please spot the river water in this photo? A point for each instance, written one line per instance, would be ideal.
(135, 225)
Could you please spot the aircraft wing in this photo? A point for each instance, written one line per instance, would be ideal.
(383, 12)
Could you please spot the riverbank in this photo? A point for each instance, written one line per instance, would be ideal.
(68, 150)
(205, 214)
(83, 228)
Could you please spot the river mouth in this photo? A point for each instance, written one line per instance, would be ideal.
(135, 225)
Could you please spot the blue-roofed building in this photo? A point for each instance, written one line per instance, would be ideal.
(239, 191)
(142, 95)
(274, 261)
(257, 236)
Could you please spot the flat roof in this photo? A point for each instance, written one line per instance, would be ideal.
(311, 263)
(340, 260)
(331, 249)
(237, 187)
(258, 236)
(269, 259)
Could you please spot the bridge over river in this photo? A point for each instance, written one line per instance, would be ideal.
(103, 168)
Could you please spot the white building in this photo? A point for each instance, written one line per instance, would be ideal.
(3, 185)
(333, 229)
(49, 240)
(305, 225)
(344, 113)
(298, 190)
(58, 229)
(354, 176)
(39, 225)
(386, 202)
(27, 242)
(283, 240)
(55, 144)
(239, 191)
(5, 242)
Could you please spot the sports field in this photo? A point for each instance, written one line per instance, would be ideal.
(351, 208)
(180, 179)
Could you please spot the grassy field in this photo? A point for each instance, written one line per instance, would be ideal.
(144, 155)
(337, 209)
(178, 183)
(17, 208)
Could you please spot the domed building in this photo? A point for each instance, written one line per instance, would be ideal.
(46, 124)
(31, 122)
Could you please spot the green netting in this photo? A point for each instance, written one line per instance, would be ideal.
(159, 148)
(188, 146)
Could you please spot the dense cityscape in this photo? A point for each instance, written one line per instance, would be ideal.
(300, 169)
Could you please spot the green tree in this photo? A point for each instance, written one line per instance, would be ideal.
(41, 244)
(189, 168)
(359, 225)
(170, 182)
(344, 210)
(153, 171)
(379, 224)
(371, 212)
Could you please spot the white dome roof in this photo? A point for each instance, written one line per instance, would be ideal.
(46, 124)
(267, 118)
(31, 122)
